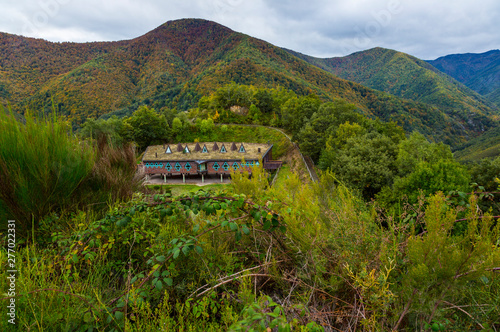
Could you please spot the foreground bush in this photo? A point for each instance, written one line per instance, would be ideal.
(41, 167)
(292, 257)
(45, 169)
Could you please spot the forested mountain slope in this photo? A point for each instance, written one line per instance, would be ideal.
(408, 77)
(480, 72)
(177, 63)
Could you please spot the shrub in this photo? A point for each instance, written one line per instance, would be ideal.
(41, 166)
(45, 169)
(113, 175)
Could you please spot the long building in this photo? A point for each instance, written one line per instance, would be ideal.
(207, 158)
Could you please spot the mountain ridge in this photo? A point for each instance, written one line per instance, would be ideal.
(405, 76)
(478, 71)
(178, 62)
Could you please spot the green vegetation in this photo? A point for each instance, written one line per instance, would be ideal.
(184, 189)
(265, 257)
(39, 157)
(477, 71)
(44, 169)
(293, 256)
(180, 62)
(485, 146)
(407, 77)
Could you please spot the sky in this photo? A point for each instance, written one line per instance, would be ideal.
(426, 29)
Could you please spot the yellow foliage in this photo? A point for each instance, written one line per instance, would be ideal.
(216, 116)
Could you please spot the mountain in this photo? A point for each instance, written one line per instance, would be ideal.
(180, 61)
(486, 146)
(407, 77)
(480, 72)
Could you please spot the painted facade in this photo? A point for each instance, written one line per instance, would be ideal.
(207, 158)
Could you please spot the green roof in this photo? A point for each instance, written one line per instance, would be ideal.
(251, 151)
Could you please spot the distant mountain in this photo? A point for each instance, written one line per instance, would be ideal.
(178, 62)
(480, 72)
(407, 77)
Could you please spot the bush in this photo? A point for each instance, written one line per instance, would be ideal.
(41, 167)
(45, 169)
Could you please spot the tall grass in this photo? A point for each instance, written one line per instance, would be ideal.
(44, 169)
(114, 175)
(41, 166)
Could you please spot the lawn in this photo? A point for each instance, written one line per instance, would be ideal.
(182, 189)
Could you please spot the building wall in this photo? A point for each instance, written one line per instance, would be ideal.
(217, 167)
(162, 168)
(191, 167)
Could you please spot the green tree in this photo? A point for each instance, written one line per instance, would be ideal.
(416, 149)
(145, 126)
(429, 178)
(311, 141)
(177, 126)
(485, 173)
(263, 99)
(207, 126)
(112, 128)
(324, 123)
(232, 95)
(297, 111)
(366, 163)
(334, 142)
(255, 114)
(170, 114)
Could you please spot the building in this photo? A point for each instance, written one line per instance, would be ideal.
(214, 158)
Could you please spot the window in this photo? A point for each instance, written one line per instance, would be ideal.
(245, 164)
(251, 163)
(242, 149)
(225, 166)
(178, 167)
(257, 163)
(186, 150)
(236, 166)
(168, 167)
(216, 166)
(205, 150)
(202, 167)
(223, 149)
(187, 166)
(168, 150)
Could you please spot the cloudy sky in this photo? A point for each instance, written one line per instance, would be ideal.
(323, 28)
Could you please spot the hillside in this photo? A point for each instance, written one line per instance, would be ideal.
(486, 146)
(103, 252)
(407, 77)
(177, 63)
(480, 72)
